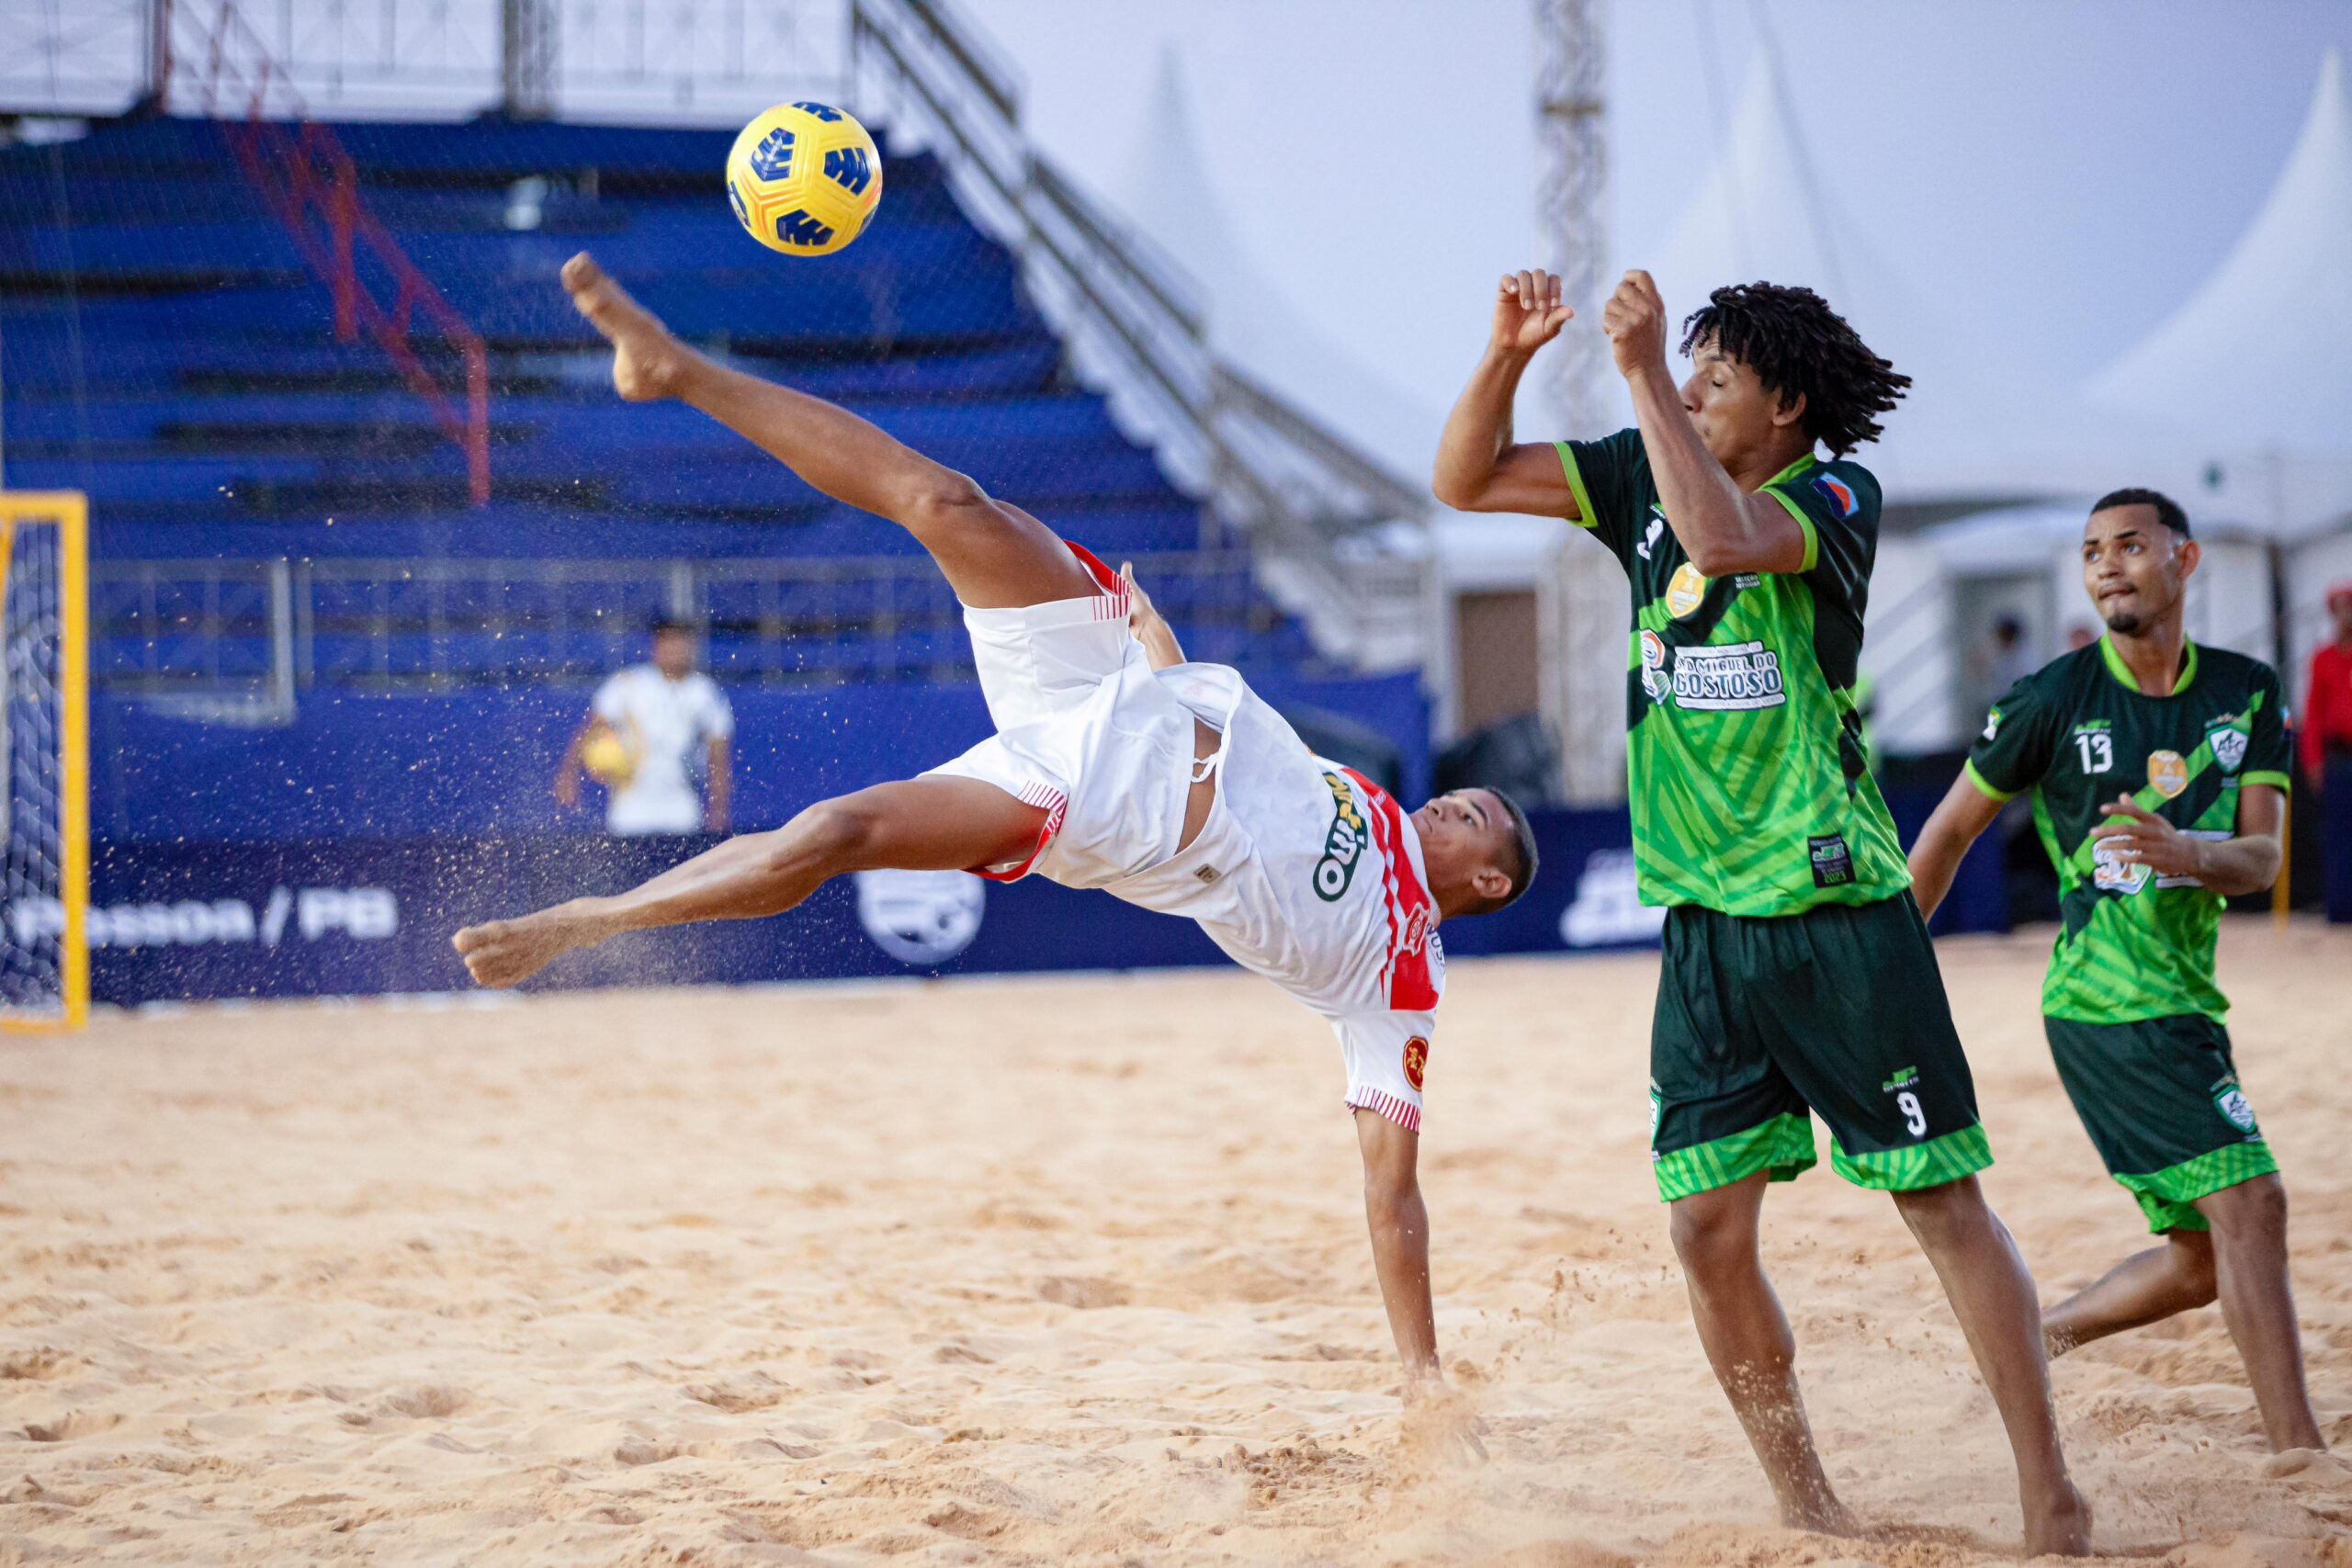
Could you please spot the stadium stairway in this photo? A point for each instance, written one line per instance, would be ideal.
(164, 347)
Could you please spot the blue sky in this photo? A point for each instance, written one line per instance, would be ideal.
(2068, 172)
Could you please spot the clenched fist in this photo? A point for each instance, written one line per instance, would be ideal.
(1634, 320)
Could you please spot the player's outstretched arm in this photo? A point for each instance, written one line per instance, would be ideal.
(1720, 528)
(1400, 1253)
(840, 454)
(1959, 819)
(926, 824)
(1480, 466)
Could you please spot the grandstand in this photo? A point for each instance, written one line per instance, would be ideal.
(304, 596)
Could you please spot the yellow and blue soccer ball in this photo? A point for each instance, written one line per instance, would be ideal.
(804, 178)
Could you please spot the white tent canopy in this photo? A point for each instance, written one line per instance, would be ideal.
(1165, 193)
(2254, 372)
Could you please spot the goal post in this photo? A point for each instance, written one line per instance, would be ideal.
(44, 760)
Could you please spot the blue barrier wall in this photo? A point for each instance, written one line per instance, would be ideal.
(350, 917)
(393, 766)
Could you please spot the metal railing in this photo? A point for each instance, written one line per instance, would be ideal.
(308, 182)
(240, 640)
(1320, 514)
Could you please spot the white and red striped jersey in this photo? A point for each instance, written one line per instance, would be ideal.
(1310, 875)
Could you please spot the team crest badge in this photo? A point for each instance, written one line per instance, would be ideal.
(1655, 680)
(1417, 1058)
(2228, 747)
(1686, 591)
(2168, 773)
(2229, 1099)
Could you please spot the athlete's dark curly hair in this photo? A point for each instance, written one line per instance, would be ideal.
(1798, 345)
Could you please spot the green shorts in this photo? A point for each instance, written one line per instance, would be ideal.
(2160, 1098)
(1839, 1010)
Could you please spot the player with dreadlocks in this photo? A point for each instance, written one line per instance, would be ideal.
(1798, 979)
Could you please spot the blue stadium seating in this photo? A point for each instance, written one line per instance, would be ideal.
(165, 346)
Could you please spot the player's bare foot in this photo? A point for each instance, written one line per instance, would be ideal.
(2060, 1528)
(646, 359)
(507, 952)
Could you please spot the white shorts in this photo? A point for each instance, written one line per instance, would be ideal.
(1083, 730)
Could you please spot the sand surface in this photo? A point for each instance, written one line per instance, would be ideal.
(1066, 1271)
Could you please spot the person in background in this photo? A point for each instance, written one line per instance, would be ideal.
(2324, 741)
(2080, 637)
(2324, 738)
(650, 731)
(2011, 660)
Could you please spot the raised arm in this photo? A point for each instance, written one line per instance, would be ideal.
(1479, 467)
(1722, 529)
(1960, 819)
(2247, 861)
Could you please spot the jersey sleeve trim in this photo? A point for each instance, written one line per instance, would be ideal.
(1968, 771)
(1584, 517)
(1805, 521)
(2264, 776)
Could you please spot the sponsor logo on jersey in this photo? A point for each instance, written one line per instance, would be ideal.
(1748, 580)
(1740, 675)
(1905, 1078)
(1343, 845)
(2111, 874)
(1655, 680)
(1992, 722)
(1686, 591)
(2168, 773)
(1837, 492)
(1417, 1058)
(2227, 741)
(2231, 1102)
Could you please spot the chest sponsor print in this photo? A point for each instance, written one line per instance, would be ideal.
(2168, 773)
(1343, 845)
(1739, 675)
(2111, 874)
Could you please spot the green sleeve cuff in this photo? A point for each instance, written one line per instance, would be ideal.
(2264, 776)
(1805, 521)
(1584, 517)
(1968, 771)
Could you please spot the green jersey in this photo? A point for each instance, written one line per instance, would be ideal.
(1750, 789)
(2078, 732)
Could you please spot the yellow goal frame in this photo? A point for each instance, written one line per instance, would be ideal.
(69, 512)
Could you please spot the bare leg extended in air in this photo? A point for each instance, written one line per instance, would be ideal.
(2241, 1262)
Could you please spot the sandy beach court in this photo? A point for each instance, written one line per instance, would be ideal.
(1047, 1271)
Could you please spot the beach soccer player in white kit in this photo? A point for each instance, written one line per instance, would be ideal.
(1115, 765)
